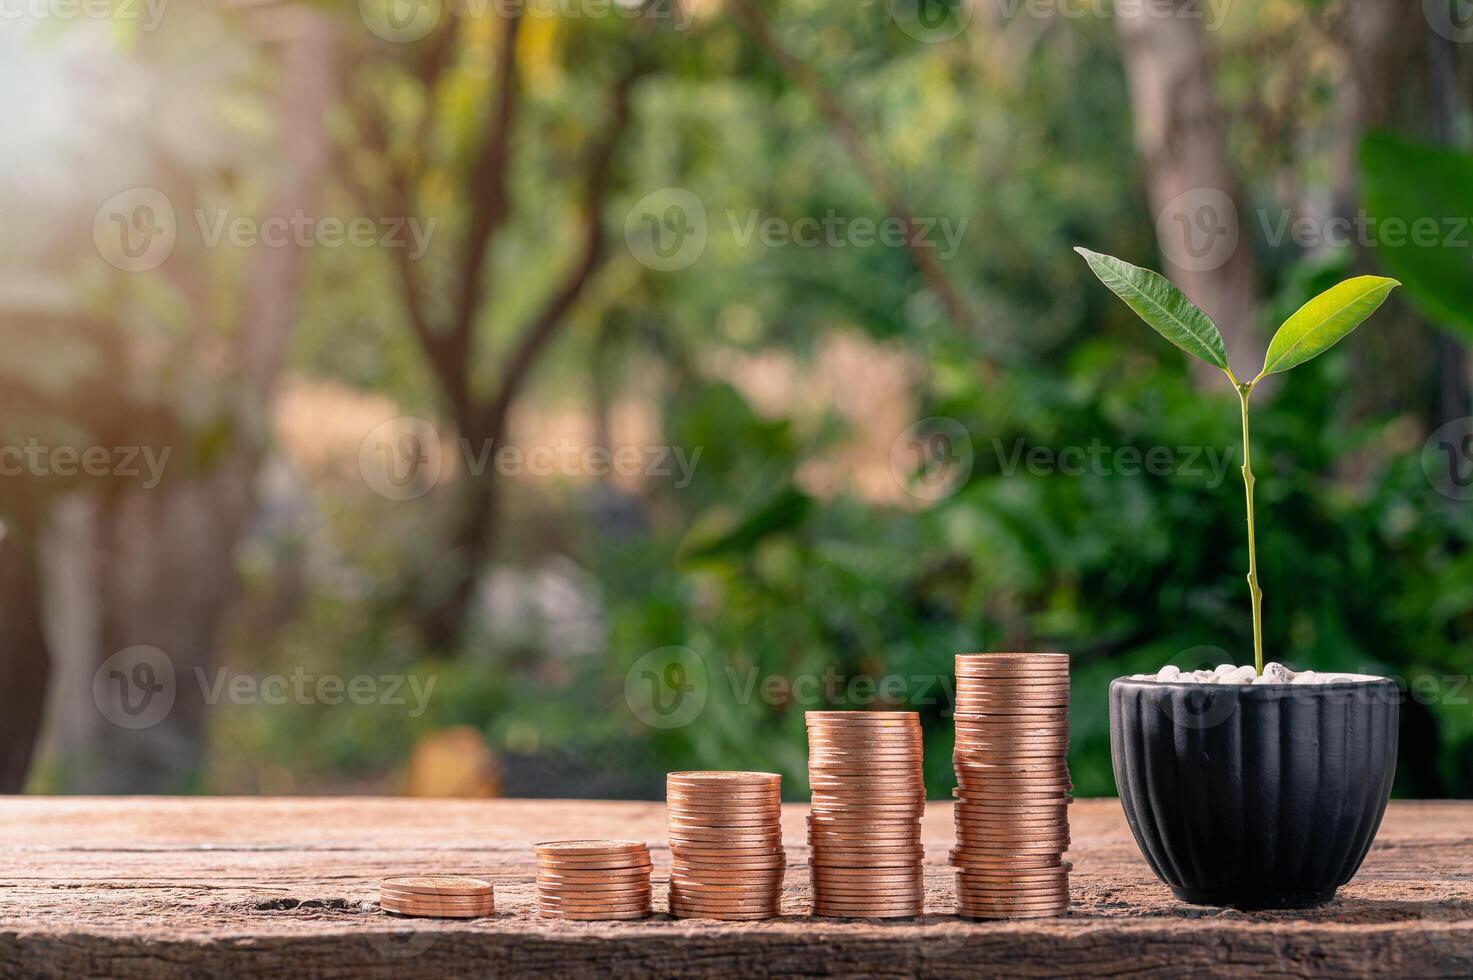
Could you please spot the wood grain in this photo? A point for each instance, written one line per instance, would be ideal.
(169, 887)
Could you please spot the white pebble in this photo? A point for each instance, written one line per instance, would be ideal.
(1169, 673)
(1241, 675)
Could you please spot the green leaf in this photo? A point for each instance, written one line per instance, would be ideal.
(1161, 305)
(1320, 324)
(1420, 199)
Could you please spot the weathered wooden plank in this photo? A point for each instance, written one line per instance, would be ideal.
(147, 888)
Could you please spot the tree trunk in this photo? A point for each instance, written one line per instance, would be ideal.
(446, 623)
(1202, 230)
(25, 659)
(166, 567)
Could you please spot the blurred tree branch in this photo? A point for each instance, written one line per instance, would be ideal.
(848, 134)
(1188, 173)
(449, 343)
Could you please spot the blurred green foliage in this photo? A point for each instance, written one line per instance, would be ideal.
(1364, 565)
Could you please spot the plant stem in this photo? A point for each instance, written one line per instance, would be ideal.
(1244, 390)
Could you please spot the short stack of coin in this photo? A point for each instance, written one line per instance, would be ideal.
(726, 844)
(1012, 818)
(864, 829)
(593, 879)
(437, 896)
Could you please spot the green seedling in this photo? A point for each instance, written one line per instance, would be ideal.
(1316, 327)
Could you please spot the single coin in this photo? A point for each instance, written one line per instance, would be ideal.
(595, 874)
(1010, 906)
(439, 913)
(834, 911)
(453, 901)
(590, 847)
(478, 896)
(644, 903)
(438, 884)
(734, 865)
(595, 916)
(723, 776)
(1058, 877)
(729, 917)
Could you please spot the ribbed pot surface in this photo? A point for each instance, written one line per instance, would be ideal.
(1254, 796)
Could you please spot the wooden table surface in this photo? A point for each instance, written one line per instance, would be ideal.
(196, 887)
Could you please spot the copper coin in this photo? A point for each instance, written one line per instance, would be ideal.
(997, 904)
(723, 777)
(731, 862)
(594, 874)
(595, 916)
(1047, 658)
(759, 910)
(438, 913)
(550, 887)
(430, 902)
(971, 863)
(397, 895)
(1059, 875)
(717, 839)
(833, 911)
(633, 906)
(867, 716)
(566, 867)
(557, 848)
(745, 800)
(438, 884)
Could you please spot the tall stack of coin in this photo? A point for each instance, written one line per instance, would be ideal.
(593, 879)
(437, 896)
(726, 844)
(1012, 819)
(864, 829)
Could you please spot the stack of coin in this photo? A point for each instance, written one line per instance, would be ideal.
(439, 896)
(726, 844)
(593, 879)
(864, 829)
(1012, 820)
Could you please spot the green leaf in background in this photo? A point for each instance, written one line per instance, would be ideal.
(1161, 305)
(1321, 323)
(1421, 199)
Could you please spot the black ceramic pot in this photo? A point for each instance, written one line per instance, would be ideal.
(1254, 796)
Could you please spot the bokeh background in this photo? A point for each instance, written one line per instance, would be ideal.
(471, 397)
